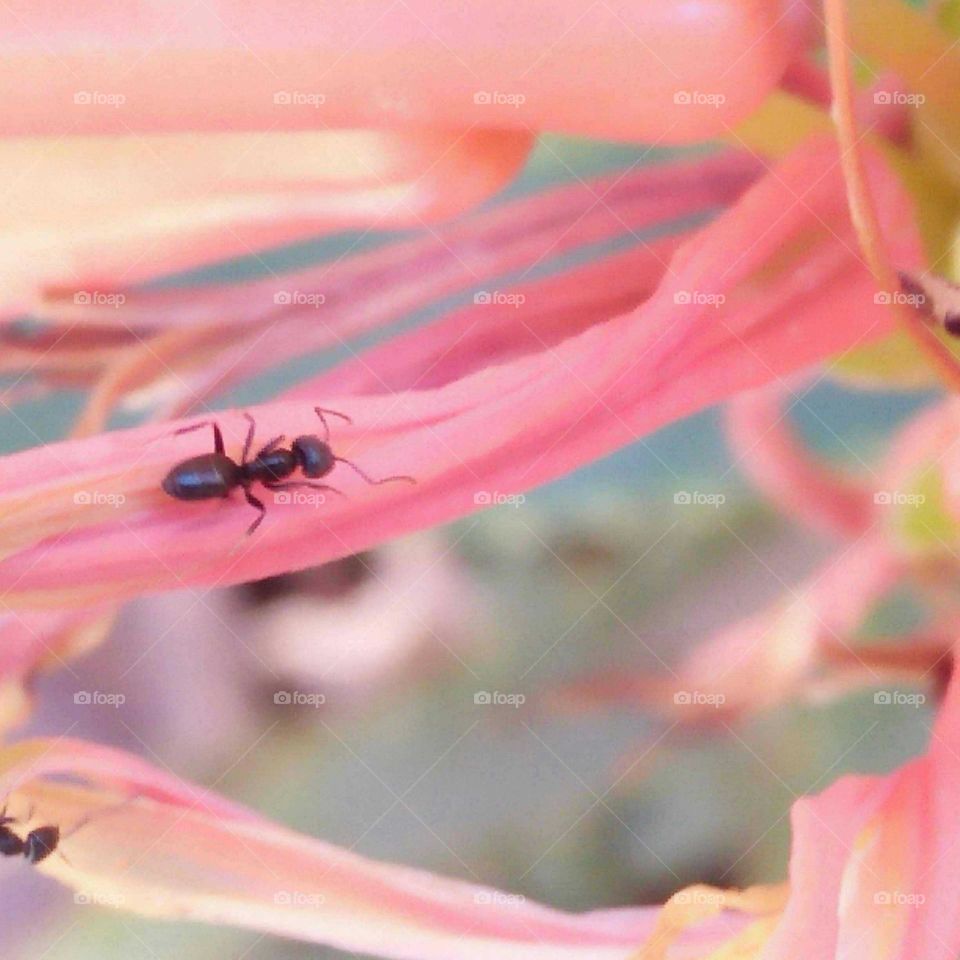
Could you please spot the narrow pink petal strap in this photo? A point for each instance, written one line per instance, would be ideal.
(717, 323)
(158, 845)
(768, 450)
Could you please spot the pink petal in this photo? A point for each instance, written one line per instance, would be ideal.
(770, 656)
(31, 640)
(399, 277)
(543, 64)
(157, 845)
(177, 202)
(333, 302)
(872, 870)
(775, 459)
(795, 293)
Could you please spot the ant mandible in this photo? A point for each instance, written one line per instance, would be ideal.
(212, 475)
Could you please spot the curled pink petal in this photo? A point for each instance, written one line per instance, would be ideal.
(31, 640)
(504, 428)
(330, 303)
(157, 845)
(801, 641)
(768, 450)
(872, 872)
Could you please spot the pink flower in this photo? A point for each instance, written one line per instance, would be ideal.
(545, 396)
(427, 115)
(872, 868)
(384, 115)
(177, 850)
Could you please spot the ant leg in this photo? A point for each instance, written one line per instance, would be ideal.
(257, 505)
(271, 446)
(80, 823)
(320, 411)
(248, 443)
(291, 484)
(217, 435)
(366, 476)
(63, 836)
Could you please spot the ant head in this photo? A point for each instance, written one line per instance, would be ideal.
(314, 456)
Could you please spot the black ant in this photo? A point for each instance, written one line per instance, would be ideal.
(37, 845)
(211, 475)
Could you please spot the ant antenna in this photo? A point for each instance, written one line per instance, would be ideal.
(320, 411)
(366, 476)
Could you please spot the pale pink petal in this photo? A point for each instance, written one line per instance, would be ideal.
(503, 428)
(509, 237)
(33, 640)
(177, 202)
(873, 871)
(801, 643)
(499, 64)
(157, 845)
(772, 656)
(330, 303)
